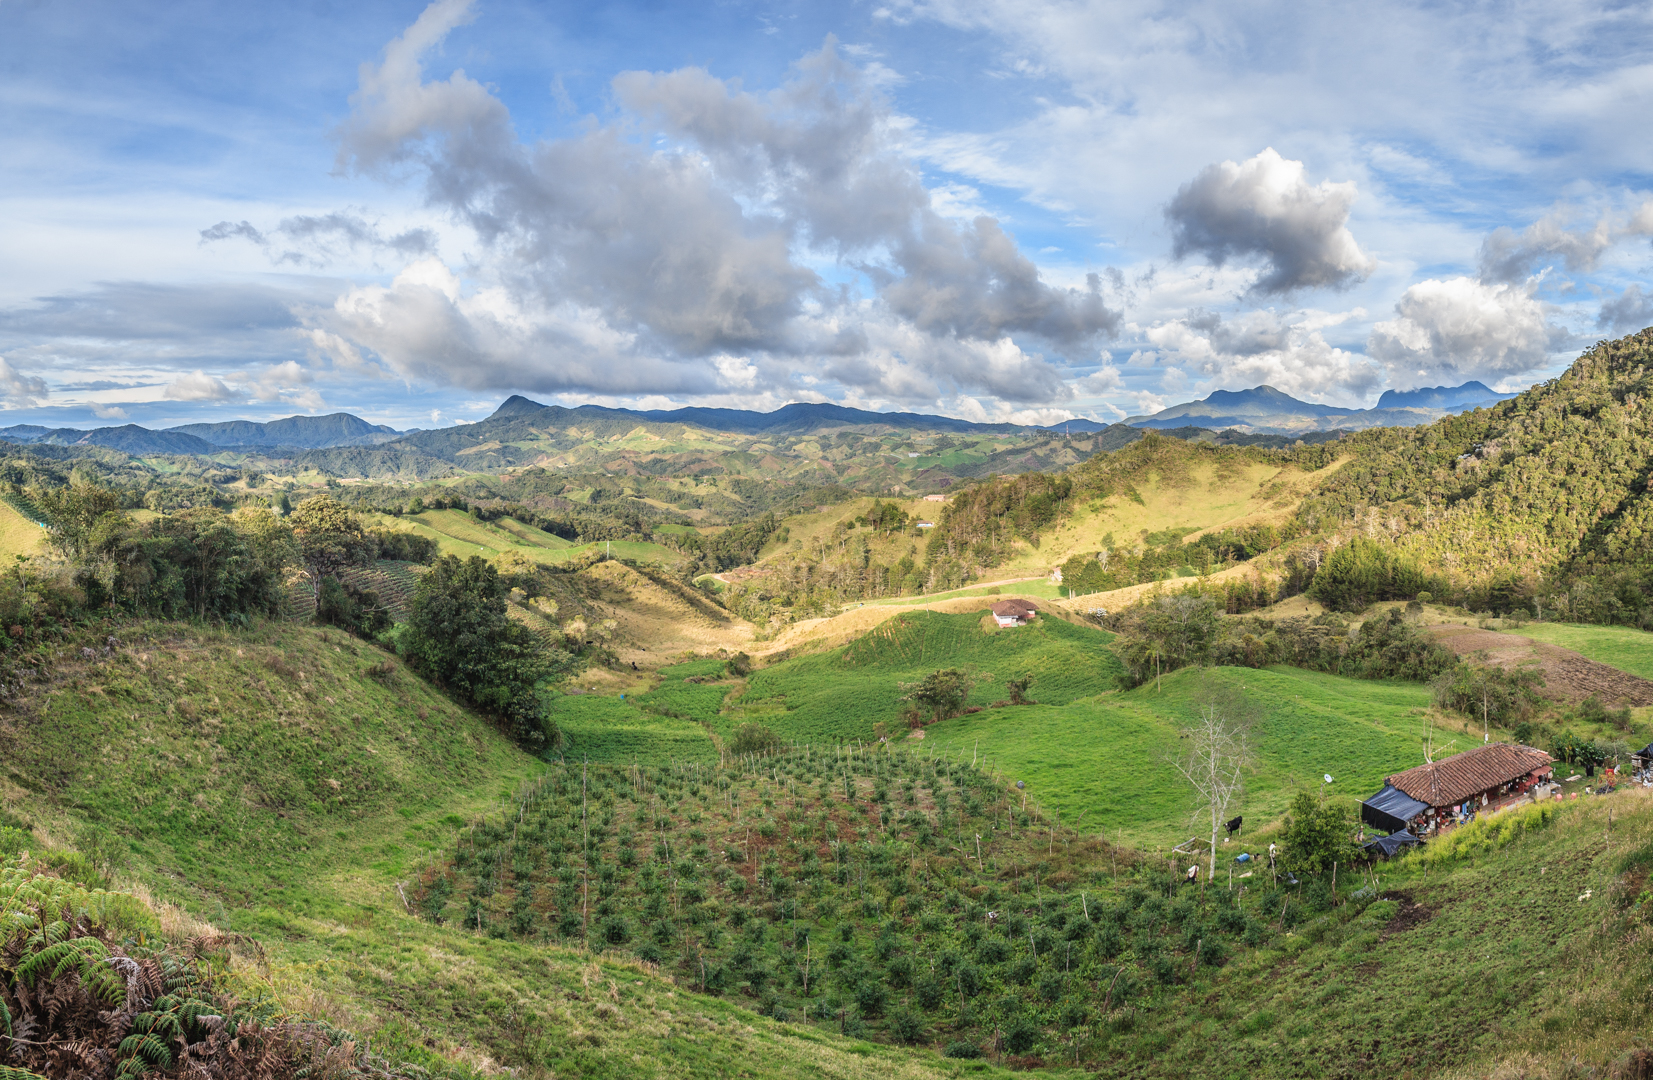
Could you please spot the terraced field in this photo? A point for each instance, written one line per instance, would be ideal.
(392, 581)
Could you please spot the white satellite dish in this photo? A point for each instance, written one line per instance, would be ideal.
(1328, 778)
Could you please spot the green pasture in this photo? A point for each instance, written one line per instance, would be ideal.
(18, 534)
(1109, 757)
(610, 731)
(841, 695)
(1622, 647)
(532, 536)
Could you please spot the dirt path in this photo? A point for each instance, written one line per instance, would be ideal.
(1568, 676)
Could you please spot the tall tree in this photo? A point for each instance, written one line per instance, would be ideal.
(329, 537)
(460, 637)
(1218, 755)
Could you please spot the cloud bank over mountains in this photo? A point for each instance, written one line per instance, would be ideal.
(1060, 240)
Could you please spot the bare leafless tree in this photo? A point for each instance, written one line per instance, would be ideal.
(1216, 761)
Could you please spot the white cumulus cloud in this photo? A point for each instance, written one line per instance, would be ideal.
(1458, 329)
(1286, 350)
(17, 390)
(1265, 208)
(198, 386)
(618, 265)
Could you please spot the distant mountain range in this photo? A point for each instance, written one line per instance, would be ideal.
(1266, 410)
(295, 433)
(799, 418)
(302, 432)
(341, 438)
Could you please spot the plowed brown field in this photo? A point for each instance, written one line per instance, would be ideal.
(1568, 676)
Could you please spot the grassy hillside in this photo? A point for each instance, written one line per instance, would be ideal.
(608, 730)
(281, 784)
(1171, 484)
(843, 694)
(1107, 757)
(457, 533)
(246, 764)
(18, 534)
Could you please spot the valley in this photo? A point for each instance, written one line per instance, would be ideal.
(583, 743)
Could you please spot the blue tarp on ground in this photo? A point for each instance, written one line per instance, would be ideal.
(1388, 846)
(1391, 809)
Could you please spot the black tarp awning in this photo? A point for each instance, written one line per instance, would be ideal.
(1646, 752)
(1391, 809)
(1388, 846)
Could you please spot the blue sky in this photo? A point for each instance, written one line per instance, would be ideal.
(997, 209)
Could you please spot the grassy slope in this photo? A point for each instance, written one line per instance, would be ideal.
(1086, 749)
(19, 535)
(457, 533)
(1203, 498)
(840, 695)
(1617, 646)
(671, 722)
(213, 759)
(1106, 757)
(247, 764)
(1504, 975)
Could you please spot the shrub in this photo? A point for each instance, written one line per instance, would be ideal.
(870, 996)
(755, 738)
(1489, 694)
(1021, 1036)
(1051, 987)
(906, 1025)
(1317, 835)
(962, 1049)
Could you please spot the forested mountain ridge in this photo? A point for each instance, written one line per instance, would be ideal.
(298, 432)
(1550, 484)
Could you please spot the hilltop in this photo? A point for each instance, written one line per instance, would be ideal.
(1545, 493)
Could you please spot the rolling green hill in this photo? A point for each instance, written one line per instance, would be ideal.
(842, 695)
(281, 783)
(249, 764)
(1108, 757)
